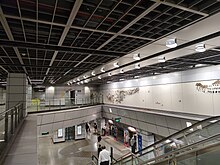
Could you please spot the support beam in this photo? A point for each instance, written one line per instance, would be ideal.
(31, 45)
(10, 36)
(77, 27)
(71, 18)
(183, 8)
(124, 29)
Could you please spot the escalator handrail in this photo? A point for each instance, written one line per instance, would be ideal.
(174, 152)
(177, 133)
(93, 156)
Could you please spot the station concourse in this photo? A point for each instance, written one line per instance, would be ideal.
(140, 77)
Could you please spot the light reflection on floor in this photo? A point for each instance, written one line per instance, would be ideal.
(75, 152)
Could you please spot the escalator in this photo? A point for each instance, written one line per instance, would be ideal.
(194, 145)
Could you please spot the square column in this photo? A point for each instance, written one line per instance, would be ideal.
(16, 91)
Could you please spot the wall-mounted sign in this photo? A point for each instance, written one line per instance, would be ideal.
(139, 143)
(117, 119)
(60, 133)
(79, 130)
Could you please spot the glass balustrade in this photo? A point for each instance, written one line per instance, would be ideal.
(199, 135)
(10, 121)
(62, 103)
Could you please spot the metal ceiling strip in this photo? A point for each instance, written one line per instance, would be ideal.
(10, 36)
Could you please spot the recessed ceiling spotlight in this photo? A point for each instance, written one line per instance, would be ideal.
(200, 48)
(84, 76)
(68, 83)
(81, 82)
(93, 73)
(78, 83)
(137, 66)
(109, 74)
(136, 76)
(171, 43)
(116, 65)
(102, 69)
(121, 70)
(137, 56)
(122, 79)
(86, 81)
(161, 59)
(78, 79)
(99, 77)
(74, 81)
(23, 54)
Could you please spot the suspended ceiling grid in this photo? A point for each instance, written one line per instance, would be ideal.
(56, 40)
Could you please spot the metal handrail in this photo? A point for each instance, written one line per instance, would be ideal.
(10, 109)
(173, 135)
(91, 162)
(178, 151)
(181, 131)
(93, 156)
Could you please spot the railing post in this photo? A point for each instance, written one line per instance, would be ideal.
(6, 126)
(111, 155)
(16, 117)
(12, 121)
(132, 159)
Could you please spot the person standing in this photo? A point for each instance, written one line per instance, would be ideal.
(133, 144)
(104, 130)
(99, 149)
(104, 157)
(95, 127)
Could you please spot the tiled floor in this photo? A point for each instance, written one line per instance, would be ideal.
(75, 152)
(24, 149)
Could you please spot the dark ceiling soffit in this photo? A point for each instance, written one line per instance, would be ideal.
(31, 45)
(46, 66)
(202, 39)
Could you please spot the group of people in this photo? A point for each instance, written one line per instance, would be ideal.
(88, 128)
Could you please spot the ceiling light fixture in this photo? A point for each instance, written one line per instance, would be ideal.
(200, 48)
(116, 65)
(137, 66)
(84, 76)
(171, 43)
(122, 79)
(137, 56)
(23, 54)
(102, 69)
(161, 59)
(109, 74)
(74, 81)
(136, 76)
(93, 73)
(78, 79)
(121, 70)
(99, 77)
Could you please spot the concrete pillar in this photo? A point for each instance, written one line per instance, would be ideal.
(16, 90)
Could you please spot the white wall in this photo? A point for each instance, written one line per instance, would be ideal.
(56, 95)
(171, 92)
(51, 121)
